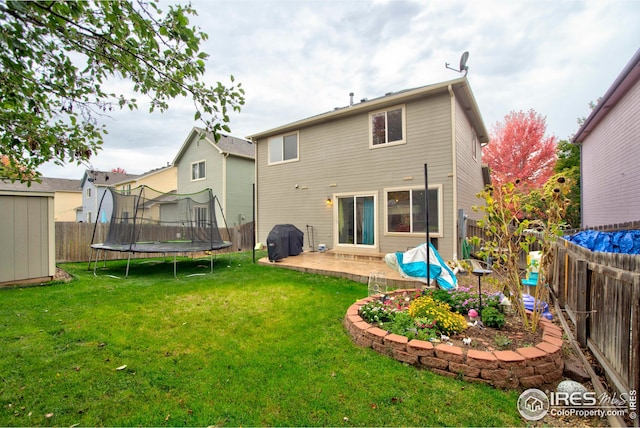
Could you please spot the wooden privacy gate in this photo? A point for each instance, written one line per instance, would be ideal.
(600, 293)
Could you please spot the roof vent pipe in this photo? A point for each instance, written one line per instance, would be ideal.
(350, 98)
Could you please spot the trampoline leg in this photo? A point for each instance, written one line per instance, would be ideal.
(90, 259)
(126, 275)
(95, 264)
(175, 274)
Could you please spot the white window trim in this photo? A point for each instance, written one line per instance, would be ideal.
(191, 170)
(404, 127)
(296, 159)
(437, 187)
(336, 232)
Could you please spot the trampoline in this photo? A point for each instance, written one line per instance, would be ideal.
(144, 220)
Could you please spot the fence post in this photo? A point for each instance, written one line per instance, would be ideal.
(559, 277)
(581, 301)
(634, 364)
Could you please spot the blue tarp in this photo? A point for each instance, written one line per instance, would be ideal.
(623, 241)
(412, 263)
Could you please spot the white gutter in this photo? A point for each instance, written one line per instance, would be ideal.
(454, 174)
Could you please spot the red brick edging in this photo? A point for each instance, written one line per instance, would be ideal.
(527, 367)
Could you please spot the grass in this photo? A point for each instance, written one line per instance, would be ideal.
(247, 345)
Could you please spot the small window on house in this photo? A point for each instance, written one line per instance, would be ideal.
(283, 148)
(89, 217)
(387, 127)
(88, 192)
(198, 171)
(474, 144)
(406, 211)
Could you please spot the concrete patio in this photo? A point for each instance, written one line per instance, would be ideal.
(354, 267)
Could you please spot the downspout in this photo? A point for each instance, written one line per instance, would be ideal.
(454, 175)
(224, 183)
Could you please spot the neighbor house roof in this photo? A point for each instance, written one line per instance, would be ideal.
(7, 187)
(227, 144)
(63, 184)
(629, 76)
(459, 86)
(105, 178)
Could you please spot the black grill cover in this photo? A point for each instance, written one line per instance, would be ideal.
(284, 240)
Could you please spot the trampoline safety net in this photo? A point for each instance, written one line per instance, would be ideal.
(148, 221)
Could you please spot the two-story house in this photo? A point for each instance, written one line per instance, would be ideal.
(94, 184)
(163, 179)
(67, 197)
(356, 174)
(227, 167)
(609, 153)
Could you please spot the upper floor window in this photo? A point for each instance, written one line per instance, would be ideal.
(283, 148)
(88, 192)
(387, 127)
(198, 171)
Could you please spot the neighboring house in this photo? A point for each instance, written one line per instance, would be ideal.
(163, 180)
(356, 174)
(67, 199)
(610, 153)
(27, 233)
(94, 185)
(227, 167)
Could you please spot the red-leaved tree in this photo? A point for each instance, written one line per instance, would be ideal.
(119, 169)
(519, 151)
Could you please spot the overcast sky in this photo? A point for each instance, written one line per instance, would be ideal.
(296, 59)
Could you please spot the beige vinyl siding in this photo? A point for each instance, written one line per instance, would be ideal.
(335, 158)
(240, 179)
(197, 151)
(28, 238)
(469, 174)
(66, 204)
(610, 157)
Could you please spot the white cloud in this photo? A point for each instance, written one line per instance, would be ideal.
(296, 59)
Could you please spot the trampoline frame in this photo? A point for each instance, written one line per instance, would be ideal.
(159, 247)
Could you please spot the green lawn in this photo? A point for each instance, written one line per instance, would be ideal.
(247, 345)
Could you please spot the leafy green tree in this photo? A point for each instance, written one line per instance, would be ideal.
(568, 165)
(57, 56)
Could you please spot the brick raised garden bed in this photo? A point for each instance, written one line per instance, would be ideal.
(527, 367)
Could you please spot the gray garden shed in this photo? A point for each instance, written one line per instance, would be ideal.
(27, 233)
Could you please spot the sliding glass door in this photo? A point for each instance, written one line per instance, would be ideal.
(356, 220)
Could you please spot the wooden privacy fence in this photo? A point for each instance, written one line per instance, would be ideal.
(73, 241)
(600, 293)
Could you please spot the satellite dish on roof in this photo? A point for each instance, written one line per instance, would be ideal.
(463, 64)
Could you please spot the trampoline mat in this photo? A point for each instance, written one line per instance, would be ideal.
(164, 246)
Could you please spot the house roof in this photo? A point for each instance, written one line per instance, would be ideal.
(228, 144)
(105, 178)
(7, 187)
(144, 175)
(63, 184)
(629, 76)
(459, 86)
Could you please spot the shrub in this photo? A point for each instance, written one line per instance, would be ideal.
(446, 322)
(377, 312)
(440, 295)
(492, 317)
(463, 299)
